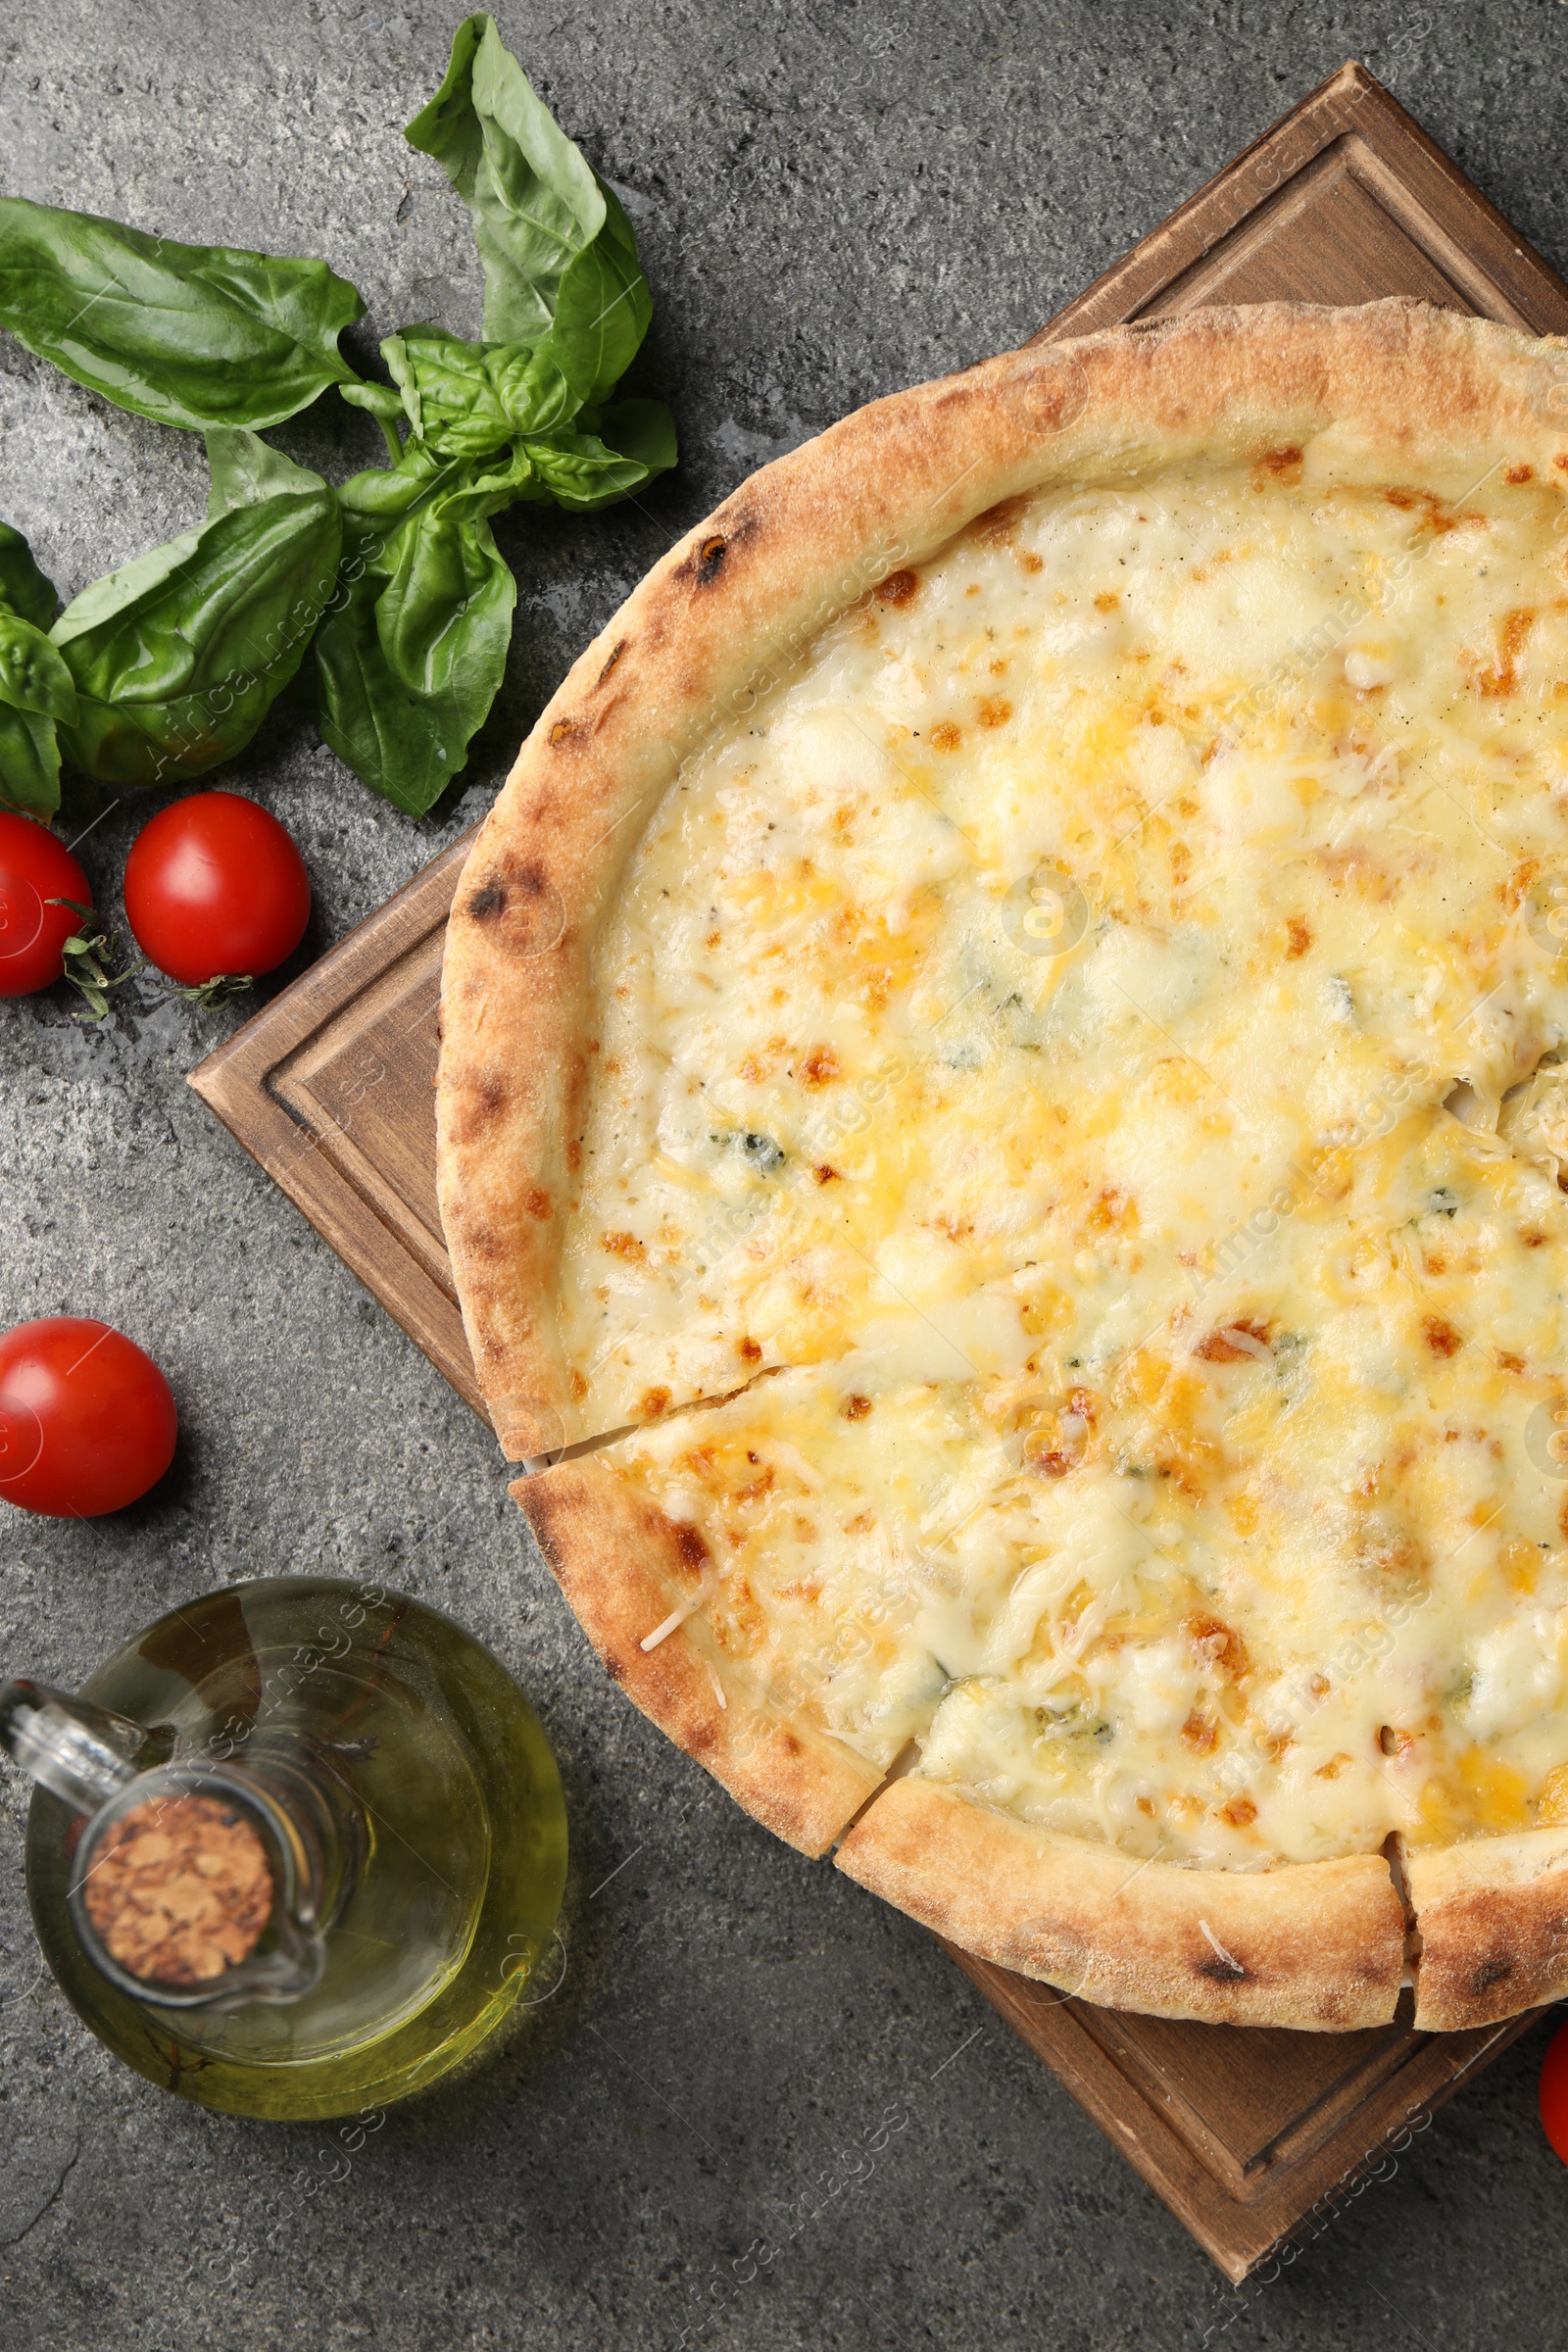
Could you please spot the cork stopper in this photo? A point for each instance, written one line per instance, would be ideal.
(180, 1890)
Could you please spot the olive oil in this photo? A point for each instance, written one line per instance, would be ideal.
(411, 1804)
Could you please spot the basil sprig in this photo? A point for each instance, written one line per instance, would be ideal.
(177, 657)
(410, 662)
(166, 668)
(35, 687)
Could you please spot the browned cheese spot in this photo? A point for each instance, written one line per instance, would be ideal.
(750, 1350)
(1441, 1336)
(856, 1408)
(1282, 465)
(623, 1244)
(1113, 1213)
(996, 527)
(693, 1552)
(945, 737)
(1300, 935)
(820, 1068)
(654, 1405)
(1217, 1645)
(1501, 679)
(1215, 1348)
(899, 588)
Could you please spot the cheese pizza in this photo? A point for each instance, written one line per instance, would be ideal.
(1001, 1093)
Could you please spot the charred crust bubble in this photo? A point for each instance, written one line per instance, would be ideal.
(562, 732)
(708, 558)
(519, 908)
(1221, 1972)
(491, 1093)
(615, 652)
(899, 588)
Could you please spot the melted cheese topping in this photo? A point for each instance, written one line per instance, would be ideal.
(1288, 1574)
(1032, 1027)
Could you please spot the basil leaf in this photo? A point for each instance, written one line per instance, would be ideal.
(178, 657)
(411, 660)
(244, 470)
(378, 400)
(33, 691)
(443, 618)
(22, 586)
(579, 470)
(469, 399)
(29, 762)
(603, 309)
(192, 335)
(555, 248)
(33, 675)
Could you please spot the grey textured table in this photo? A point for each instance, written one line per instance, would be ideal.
(831, 203)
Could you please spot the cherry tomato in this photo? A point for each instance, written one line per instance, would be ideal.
(215, 886)
(88, 1422)
(35, 867)
(1554, 2092)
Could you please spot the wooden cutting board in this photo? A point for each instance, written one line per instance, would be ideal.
(1248, 2135)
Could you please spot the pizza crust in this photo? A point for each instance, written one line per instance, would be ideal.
(734, 606)
(626, 1569)
(1491, 1920)
(1318, 1945)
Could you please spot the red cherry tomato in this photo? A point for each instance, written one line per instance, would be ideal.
(215, 886)
(35, 867)
(1554, 2092)
(88, 1422)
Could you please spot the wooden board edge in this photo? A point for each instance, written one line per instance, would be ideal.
(1350, 99)
(358, 960)
(1238, 2234)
